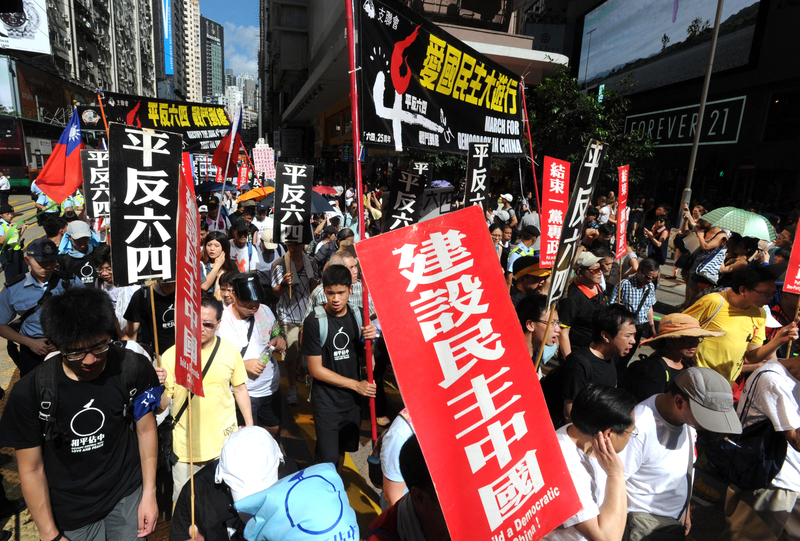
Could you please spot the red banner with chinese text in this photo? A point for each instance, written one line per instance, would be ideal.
(622, 211)
(242, 180)
(792, 283)
(467, 379)
(188, 371)
(555, 200)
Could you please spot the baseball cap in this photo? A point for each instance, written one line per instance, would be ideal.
(262, 206)
(240, 226)
(586, 259)
(502, 215)
(266, 240)
(78, 230)
(6, 208)
(202, 208)
(249, 203)
(42, 250)
(508, 197)
(532, 230)
(529, 266)
(711, 400)
(249, 462)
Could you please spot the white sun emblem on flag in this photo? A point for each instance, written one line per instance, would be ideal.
(73, 133)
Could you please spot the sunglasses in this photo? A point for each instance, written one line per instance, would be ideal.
(209, 325)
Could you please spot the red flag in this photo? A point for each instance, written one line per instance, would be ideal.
(62, 174)
(227, 153)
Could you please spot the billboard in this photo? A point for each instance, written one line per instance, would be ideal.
(26, 30)
(663, 42)
(166, 28)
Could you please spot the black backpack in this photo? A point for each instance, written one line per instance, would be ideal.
(46, 390)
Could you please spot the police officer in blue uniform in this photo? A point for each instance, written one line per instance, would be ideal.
(21, 300)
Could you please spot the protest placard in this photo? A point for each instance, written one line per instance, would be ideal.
(242, 178)
(144, 203)
(555, 198)
(405, 200)
(94, 164)
(622, 212)
(479, 167)
(293, 203)
(467, 379)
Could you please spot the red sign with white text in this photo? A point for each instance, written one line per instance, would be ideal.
(555, 200)
(242, 180)
(467, 379)
(622, 212)
(188, 371)
(218, 177)
(792, 283)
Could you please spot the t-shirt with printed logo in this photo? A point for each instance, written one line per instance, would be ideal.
(339, 354)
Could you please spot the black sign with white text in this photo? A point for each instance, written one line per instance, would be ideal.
(94, 164)
(405, 200)
(479, 165)
(144, 203)
(293, 203)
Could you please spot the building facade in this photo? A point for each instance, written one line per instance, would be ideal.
(194, 72)
(170, 49)
(212, 55)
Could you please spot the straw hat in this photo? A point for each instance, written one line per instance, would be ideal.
(678, 325)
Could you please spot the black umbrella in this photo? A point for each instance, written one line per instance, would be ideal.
(319, 204)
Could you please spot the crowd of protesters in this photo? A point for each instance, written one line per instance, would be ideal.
(102, 436)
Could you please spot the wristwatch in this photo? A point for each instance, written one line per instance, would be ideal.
(22, 24)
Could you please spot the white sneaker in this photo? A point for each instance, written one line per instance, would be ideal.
(291, 397)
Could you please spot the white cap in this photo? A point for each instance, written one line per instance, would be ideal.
(503, 215)
(202, 208)
(249, 462)
(508, 197)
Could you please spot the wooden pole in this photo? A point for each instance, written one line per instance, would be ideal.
(191, 458)
(544, 339)
(791, 342)
(155, 328)
(351, 50)
(102, 110)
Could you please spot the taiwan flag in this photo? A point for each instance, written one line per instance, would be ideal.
(227, 154)
(61, 175)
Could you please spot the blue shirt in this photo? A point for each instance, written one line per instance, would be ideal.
(518, 251)
(23, 295)
(49, 204)
(630, 296)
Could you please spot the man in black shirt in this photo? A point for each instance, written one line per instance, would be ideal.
(140, 317)
(333, 363)
(584, 298)
(92, 477)
(613, 335)
(78, 259)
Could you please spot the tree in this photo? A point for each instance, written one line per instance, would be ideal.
(664, 41)
(695, 27)
(563, 119)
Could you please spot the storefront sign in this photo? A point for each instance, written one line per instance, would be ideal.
(676, 127)
(94, 164)
(467, 379)
(144, 203)
(438, 94)
(555, 198)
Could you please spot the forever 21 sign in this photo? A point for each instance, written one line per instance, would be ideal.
(676, 127)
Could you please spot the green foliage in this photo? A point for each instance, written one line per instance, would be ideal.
(563, 119)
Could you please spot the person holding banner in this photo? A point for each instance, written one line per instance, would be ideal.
(584, 298)
(529, 277)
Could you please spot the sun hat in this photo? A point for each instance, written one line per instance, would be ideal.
(710, 399)
(678, 325)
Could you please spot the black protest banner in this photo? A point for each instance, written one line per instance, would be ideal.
(479, 163)
(405, 200)
(293, 203)
(438, 95)
(423, 169)
(146, 166)
(573, 222)
(94, 164)
(202, 125)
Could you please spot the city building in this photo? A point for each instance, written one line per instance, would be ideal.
(233, 97)
(212, 55)
(194, 74)
(170, 49)
(230, 80)
(247, 85)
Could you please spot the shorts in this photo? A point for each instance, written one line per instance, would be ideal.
(121, 524)
(337, 432)
(180, 476)
(292, 333)
(267, 409)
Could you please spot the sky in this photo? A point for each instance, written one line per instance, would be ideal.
(632, 29)
(240, 19)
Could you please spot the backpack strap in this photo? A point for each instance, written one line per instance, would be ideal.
(249, 253)
(322, 318)
(130, 378)
(46, 388)
(205, 371)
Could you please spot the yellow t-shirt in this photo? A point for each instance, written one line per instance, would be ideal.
(214, 416)
(742, 328)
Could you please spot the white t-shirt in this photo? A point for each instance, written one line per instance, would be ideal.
(605, 213)
(656, 461)
(590, 483)
(262, 225)
(393, 441)
(248, 258)
(4, 182)
(777, 397)
(235, 330)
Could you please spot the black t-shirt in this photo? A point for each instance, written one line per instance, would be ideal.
(647, 377)
(96, 463)
(83, 268)
(139, 311)
(576, 311)
(339, 354)
(516, 295)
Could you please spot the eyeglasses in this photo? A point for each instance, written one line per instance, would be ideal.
(648, 278)
(555, 322)
(633, 433)
(209, 325)
(96, 350)
(764, 293)
(595, 271)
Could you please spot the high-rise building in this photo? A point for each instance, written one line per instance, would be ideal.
(170, 49)
(247, 84)
(194, 75)
(212, 57)
(230, 80)
(233, 96)
(104, 44)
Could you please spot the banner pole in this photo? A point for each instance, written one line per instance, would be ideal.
(208, 166)
(530, 144)
(191, 458)
(544, 338)
(351, 53)
(791, 342)
(155, 328)
(102, 110)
